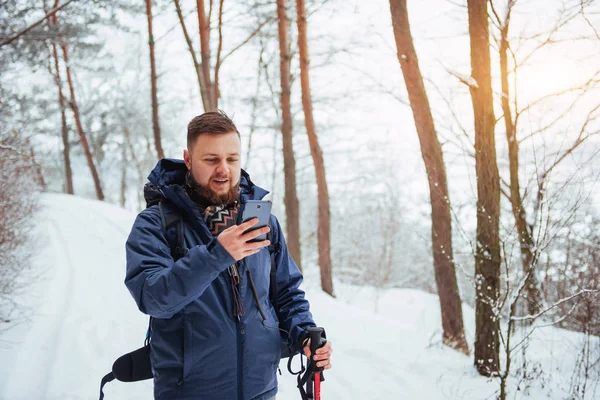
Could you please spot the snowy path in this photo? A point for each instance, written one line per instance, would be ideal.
(85, 318)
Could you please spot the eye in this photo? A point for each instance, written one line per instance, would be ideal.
(232, 160)
(212, 160)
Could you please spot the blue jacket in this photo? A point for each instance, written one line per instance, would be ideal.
(198, 349)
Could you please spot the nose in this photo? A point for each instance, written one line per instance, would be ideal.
(223, 168)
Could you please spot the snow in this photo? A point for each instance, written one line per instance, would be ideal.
(387, 343)
(466, 79)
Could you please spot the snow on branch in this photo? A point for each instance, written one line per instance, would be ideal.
(561, 301)
(466, 79)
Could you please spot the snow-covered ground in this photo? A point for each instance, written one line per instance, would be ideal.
(386, 342)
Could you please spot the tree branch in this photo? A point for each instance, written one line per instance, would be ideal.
(30, 27)
(558, 303)
(258, 29)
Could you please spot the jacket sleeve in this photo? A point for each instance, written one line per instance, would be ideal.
(160, 286)
(293, 309)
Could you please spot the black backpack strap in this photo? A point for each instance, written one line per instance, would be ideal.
(178, 249)
(163, 222)
(107, 378)
(274, 248)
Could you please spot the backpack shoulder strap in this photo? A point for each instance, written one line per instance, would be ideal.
(178, 249)
(274, 249)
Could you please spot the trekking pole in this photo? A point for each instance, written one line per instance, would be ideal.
(317, 340)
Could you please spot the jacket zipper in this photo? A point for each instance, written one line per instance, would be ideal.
(240, 331)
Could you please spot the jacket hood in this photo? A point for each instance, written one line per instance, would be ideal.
(167, 179)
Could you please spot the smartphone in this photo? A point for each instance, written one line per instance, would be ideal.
(260, 209)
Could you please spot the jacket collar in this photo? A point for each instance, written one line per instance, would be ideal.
(168, 176)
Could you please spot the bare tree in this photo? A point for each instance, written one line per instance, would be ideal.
(197, 66)
(207, 75)
(153, 80)
(487, 255)
(324, 217)
(431, 151)
(292, 207)
(80, 130)
(204, 30)
(47, 15)
(61, 102)
(525, 235)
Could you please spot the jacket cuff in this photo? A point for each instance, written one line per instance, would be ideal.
(216, 249)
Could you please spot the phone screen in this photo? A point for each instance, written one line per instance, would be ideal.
(260, 209)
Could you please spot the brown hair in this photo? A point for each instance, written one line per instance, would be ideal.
(212, 122)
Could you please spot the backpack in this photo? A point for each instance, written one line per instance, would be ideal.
(136, 366)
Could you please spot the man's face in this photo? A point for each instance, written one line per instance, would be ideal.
(214, 162)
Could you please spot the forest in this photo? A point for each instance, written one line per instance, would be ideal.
(449, 146)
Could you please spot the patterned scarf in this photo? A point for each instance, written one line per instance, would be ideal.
(218, 218)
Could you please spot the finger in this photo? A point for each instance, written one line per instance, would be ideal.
(324, 364)
(322, 356)
(307, 351)
(248, 224)
(250, 252)
(255, 233)
(257, 245)
(325, 349)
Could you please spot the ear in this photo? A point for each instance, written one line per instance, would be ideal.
(187, 159)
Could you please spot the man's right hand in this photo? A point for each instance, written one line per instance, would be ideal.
(235, 241)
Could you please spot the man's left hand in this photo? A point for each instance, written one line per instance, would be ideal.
(322, 354)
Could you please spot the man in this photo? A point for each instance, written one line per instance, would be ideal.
(214, 332)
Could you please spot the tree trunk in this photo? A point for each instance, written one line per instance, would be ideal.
(82, 134)
(292, 207)
(153, 79)
(532, 293)
(39, 176)
(216, 93)
(205, 54)
(132, 152)
(431, 151)
(123, 175)
(64, 128)
(487, 256)
(197, 66)
(324, 218)
(68, 188)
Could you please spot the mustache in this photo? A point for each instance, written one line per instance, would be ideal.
(205, 196)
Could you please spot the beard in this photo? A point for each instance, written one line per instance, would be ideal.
(205, 196)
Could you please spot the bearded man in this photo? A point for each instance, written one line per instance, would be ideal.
(214, 331)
